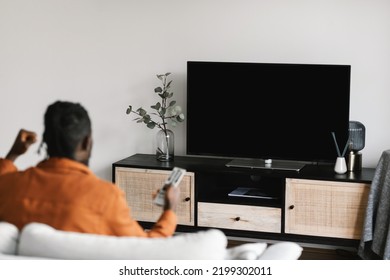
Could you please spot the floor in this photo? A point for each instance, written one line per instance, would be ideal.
(328, 254)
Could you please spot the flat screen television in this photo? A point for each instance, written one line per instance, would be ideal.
(260, 111)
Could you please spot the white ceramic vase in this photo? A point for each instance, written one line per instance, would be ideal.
(341, 165)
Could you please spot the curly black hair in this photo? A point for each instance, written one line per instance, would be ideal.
(66, 124)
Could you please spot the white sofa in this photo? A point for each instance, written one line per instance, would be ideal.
(40, 241)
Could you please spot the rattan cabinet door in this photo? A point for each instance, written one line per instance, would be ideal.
(139, 186)
(325, 208)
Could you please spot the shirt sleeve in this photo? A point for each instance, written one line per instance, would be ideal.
(165, 226)
(7, 166)
(122, 224)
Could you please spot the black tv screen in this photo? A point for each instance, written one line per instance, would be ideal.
(267, 110)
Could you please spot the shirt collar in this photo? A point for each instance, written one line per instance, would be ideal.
(64, 163)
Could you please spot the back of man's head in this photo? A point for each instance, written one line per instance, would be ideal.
(66, 125)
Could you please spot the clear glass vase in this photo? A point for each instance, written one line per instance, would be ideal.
(165, 145)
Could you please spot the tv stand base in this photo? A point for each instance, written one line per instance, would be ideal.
(267, 164)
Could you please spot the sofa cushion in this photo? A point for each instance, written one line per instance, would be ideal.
(248, 251)
(41, 240)
(9, 235)
(282, 251)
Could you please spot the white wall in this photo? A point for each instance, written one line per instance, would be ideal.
(105, 54)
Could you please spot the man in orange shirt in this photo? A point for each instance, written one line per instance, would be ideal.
(62, 191)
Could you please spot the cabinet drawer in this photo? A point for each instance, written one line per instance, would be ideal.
(239, 217)
(139, 185)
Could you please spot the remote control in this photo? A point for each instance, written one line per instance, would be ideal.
(174, 178)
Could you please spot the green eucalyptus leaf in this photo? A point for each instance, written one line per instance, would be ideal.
(156, 107)
(173, 102)
(141, 112)
(151, 125)
(168, 73)
(160, 76)
(168, 84)
(180, 118)
(128, 111)
(158, 89)
(147, 118)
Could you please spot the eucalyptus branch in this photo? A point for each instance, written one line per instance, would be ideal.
(164, 110)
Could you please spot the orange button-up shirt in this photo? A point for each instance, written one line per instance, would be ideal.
(66, 195)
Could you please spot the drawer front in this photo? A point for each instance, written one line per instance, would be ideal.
(240, 217)
(139, 186)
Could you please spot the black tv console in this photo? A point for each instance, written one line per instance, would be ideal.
(314, 205)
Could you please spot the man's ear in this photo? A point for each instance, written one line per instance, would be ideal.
(83, 152)
(86, 143)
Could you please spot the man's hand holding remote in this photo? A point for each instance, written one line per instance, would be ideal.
(167, 197)
(171, 197)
